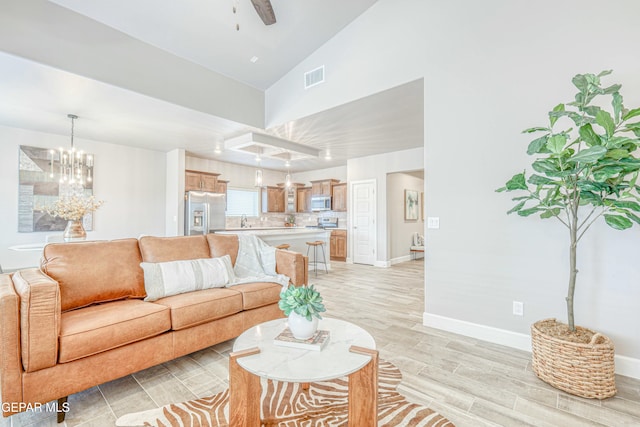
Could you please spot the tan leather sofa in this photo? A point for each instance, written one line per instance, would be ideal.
(80, 320)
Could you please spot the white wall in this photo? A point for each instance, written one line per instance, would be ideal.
(491, 69)
(50, 34)
(399, 230)
(131, 182)
(242, 176)
(339, 173)
(377, 167)
(174, 200)
(239, 176)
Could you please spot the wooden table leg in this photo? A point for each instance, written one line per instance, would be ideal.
(244, 392)
(363, 391)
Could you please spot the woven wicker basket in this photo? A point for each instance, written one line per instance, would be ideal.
(585, 370)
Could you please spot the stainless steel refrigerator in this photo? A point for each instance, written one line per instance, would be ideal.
(204, 212)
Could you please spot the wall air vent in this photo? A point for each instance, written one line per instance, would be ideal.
(314, 77)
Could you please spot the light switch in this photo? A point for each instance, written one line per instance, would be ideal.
(433, 222)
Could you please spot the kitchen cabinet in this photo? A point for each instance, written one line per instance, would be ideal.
(339, 197)
(304, 199)
(322, 187)
(291, 196)
(273, 199)
(338, 245)
(200, 181)
(221, 186)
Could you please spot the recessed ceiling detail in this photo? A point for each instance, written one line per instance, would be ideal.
(254, 143)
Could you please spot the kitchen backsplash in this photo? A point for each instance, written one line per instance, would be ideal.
(279, 219)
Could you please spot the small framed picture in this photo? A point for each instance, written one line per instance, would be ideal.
(411, 209)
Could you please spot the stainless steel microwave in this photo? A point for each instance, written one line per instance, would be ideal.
(321, 203)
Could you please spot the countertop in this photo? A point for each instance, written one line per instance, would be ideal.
(273, 230)
(260, 228)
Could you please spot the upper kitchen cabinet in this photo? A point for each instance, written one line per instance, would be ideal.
(291, 196)
(221, 186)
(273, 199)
(304, 199)
(323, 187)
(201, 181)
(339, 197)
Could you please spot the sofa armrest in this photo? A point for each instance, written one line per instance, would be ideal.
(10, 368)
(293, 264)
(39, 318)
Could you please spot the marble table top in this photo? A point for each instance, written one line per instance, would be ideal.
(298, 365)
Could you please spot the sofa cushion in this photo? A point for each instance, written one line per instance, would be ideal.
(163, 279)
(258, 294)
(94, 272)
(163, 249)
(223, 244)
(194, 308)
(102, 327)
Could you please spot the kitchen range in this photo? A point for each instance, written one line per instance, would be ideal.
(325, 223)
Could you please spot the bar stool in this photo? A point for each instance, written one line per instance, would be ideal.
(315, 256)
(283, 246)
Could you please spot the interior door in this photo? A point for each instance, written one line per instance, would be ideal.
(363, 202)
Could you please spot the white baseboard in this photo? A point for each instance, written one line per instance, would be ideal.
(626, 366)
(482, 332)
(400, 259)
(383, 264)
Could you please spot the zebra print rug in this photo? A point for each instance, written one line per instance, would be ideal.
(287, 405)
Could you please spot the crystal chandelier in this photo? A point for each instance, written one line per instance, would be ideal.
(76, 167)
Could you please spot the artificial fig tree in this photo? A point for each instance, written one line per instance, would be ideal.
(585, 167)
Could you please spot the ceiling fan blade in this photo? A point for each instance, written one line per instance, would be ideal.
(265, 11)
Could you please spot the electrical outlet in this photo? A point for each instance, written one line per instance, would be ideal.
(518, 308)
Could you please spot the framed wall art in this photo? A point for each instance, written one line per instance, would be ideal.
(41, 182)
(411, 208)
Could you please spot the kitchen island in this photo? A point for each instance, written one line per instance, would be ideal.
(295, 237)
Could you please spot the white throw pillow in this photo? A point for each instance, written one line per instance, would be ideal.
(164, 279)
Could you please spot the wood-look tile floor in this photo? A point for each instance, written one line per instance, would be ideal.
(472, 382)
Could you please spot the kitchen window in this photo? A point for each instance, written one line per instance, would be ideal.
(242, 201)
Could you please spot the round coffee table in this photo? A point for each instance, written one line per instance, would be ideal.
(349, 352)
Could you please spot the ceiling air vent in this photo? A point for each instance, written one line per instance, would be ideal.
(314, 77)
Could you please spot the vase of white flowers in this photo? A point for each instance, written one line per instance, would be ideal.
(73, 208)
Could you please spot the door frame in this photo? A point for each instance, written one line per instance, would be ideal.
(351, 210)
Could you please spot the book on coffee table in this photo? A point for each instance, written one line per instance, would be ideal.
(316, 342)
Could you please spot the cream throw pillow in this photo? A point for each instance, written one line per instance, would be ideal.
(164, 279)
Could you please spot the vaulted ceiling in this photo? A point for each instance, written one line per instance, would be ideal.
(36, 95)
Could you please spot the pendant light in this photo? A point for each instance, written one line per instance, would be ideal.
(76, 167)
(258, 178)
(287, 177)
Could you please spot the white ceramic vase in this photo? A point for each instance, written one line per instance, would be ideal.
(300, 327)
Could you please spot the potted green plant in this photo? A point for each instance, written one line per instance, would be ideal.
(302, 305)
(585, 169)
